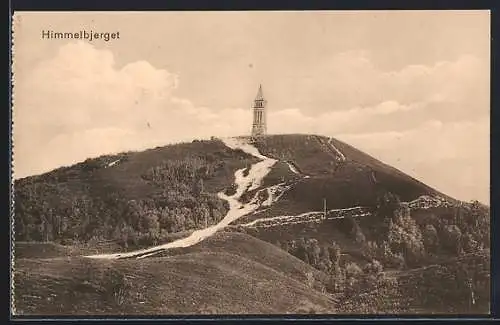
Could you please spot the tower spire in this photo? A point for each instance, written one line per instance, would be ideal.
(259, 127)
(260, 94)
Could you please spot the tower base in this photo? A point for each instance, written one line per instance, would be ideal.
(258, 130)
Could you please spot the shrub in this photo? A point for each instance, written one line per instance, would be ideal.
(375, 267)
(352, 270)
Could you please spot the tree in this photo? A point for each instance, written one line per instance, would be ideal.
(452, 238)
(285, 246)
(352, 273)
(198, 187)
(470, 245)
(385, 250)
(151, 226)
(387, 204)
(354, 229)
(395, 236)
(166, 222)
(374, 267)
(480, 223)
(324, 257)
(404, 236)
(130, 234)
(398, 261)
(338, 279)
(334, 253)
(301, 250)
(48, 231)
(430, 238)
(372, 249)
(313, 252)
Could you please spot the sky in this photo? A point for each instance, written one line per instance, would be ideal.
(410, 88)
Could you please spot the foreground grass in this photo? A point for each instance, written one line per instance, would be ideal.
(251, 279)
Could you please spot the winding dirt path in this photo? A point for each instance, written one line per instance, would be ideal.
(250, 181)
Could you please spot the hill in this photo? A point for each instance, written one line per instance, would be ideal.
(122, 197)
(330, 169)
(340, 221)
(229, 273)
(138, 198)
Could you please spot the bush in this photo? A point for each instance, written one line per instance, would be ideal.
(375, 267)
(352, 270)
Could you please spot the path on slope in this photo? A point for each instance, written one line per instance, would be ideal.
(422, 202)
(251, 181)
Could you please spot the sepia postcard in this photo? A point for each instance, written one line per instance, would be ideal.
(251, 163)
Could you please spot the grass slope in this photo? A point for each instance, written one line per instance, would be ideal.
(229, 273)
(359, 180)
(255, 249)
(95, 177)
(43, 250)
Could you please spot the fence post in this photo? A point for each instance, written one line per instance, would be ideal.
(324, 209)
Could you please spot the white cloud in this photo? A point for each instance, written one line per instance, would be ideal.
(79, 104)
(352, 120)
(350, 79)
(452, 157)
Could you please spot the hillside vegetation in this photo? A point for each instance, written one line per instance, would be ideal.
(439, 258)
(135, 198)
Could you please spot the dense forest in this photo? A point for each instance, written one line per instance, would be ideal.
(137, 202)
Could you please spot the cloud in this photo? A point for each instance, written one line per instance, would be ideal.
(79, 104)
(357, 119)
(351, 79)
(452, 157)
(421, 119)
